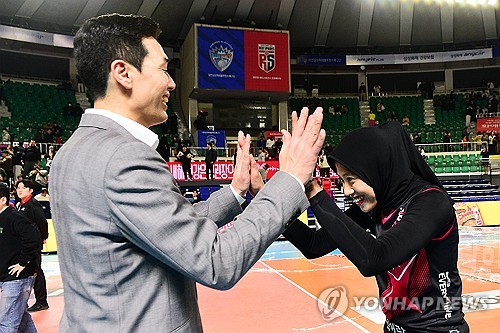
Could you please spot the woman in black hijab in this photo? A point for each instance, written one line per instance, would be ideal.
(401, 228)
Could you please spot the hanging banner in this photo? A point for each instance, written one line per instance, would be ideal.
(488, 125)
(223, 170)
(321, 60)
(419, 58)
(216, 137)
(220, 58)
(243, 59)
(274, 134)
(378, 59)
(468, 55)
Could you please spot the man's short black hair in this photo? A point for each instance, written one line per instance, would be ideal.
(27, 183)
(5, 192)
(106, 38)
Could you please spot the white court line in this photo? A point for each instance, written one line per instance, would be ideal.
(479, 277)
(317, 299)
(56, 293)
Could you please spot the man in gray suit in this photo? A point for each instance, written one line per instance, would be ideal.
(131, 247)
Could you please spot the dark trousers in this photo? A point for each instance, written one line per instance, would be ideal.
(40, 287)
(210, 170)
(324, 172)
(187, 171)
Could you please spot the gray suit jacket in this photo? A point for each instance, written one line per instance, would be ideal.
(131, 247)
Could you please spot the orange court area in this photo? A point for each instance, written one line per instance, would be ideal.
(281, 293)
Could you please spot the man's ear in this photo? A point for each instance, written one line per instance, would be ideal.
(120, 72)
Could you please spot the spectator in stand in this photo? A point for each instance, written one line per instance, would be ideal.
(6, 165)
(269, 143)
(485, 159)
(478, 137)
(47, 125)
(210, 159)
(422, 151)
(430, 89)
(79, 84)
(185, 156)
(391, 116)
(32, 209)
(469, 114)
(50, 157)
(371, 119)
(38, 137)
(344, 109)
(491, 143)
(48, 137)
(479, 111)
(263, 172)
(78, 110)
(328, 148)
(278, 144)
(337, 109)
(494, 104)
(68, 109)
(271, 153)
(261, 156)
(56, 130)
(417, 138)
(17, 162)
(31, 157)
(405, 121)
(43, 195)
(377, 89)
(324, 167)
(19, 245)
(380, 107)
(447, 140)
(261, 143)
(362, 92)
(494, 150)
(465, 135)
(422, 88)
(491, 87)
(5, 135)
(485, 139)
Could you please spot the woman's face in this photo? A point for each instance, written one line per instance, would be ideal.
(362, 194)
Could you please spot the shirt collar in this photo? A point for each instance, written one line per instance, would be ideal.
(140, 132)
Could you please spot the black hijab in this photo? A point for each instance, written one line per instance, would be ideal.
(385, 158)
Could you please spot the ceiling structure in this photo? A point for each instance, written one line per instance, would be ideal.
(316, 26)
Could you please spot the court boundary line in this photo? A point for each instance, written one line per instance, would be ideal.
(315, 298)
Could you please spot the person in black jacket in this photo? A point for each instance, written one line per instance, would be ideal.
(34, 212)
(31, 157)
(402, 229)
(210, 160)
(19, 244)
(185, 156)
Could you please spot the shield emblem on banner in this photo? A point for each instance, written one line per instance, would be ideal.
(267, 57)
(221, 54)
